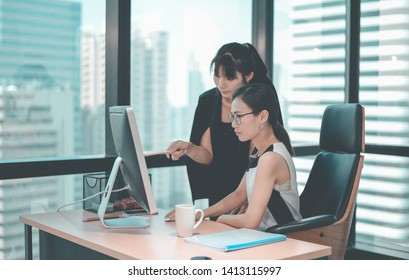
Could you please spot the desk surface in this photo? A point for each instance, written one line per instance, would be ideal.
(160, 240)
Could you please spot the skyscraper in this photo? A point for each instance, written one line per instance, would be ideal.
(39, 84)
(149, 74)
(93, 92)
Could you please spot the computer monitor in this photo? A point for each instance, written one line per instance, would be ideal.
(131, 161)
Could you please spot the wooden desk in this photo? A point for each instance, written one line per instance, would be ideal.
(159, 241)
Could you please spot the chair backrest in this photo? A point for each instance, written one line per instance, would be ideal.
(332, 176)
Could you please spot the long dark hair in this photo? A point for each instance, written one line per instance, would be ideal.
(242, 58)
(260, 97)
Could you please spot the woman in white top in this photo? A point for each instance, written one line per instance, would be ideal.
(269, 185)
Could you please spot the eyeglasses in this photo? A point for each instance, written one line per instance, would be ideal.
(237, 118)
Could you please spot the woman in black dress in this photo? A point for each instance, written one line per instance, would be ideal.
(216, 158)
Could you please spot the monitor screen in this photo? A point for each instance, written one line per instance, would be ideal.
(129, 148)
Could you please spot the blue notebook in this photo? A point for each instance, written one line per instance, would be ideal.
(235, 239)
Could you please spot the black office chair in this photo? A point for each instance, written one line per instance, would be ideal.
(327, 203)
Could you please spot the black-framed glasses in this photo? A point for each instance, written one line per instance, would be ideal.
(237, 117)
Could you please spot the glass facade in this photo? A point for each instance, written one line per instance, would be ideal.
(51, 79)
(32, 195)
(52, 101)
(309, 73)
(309, 63)
(309, 68)
(52, 95)
(172, 44)
(383, 200)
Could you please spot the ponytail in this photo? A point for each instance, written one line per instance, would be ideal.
(283, 136)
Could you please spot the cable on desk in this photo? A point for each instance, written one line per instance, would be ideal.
(127, 187)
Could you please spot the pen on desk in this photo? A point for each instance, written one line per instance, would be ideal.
(90, 219)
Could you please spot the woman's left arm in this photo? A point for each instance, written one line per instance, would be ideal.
(266, 177)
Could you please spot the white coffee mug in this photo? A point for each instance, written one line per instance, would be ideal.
(185, 215)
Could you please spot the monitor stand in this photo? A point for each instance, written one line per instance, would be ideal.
(127, 222)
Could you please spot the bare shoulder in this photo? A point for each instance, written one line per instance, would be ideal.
(271, 160)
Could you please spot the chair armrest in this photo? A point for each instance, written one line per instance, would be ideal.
(303, 224)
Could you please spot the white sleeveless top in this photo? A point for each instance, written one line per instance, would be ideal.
(284, 203)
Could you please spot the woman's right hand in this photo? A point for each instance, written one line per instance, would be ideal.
(177, 149)
(170, 216)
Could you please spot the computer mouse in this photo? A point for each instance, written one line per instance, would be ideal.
(200, 258)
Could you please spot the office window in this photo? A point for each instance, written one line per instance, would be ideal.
(384, 71)
(52, 96)
(309, 63)
(52, 78)
(308, 69)
(32, 195)
(382, 213)
(382, 206)
(172, 44)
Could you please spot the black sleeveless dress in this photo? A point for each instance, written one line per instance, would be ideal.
(230, 156)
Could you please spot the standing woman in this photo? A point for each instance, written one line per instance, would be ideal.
(216, 158)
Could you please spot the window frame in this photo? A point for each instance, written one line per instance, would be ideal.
(118, 25)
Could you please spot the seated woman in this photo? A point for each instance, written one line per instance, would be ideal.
(269, 184)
